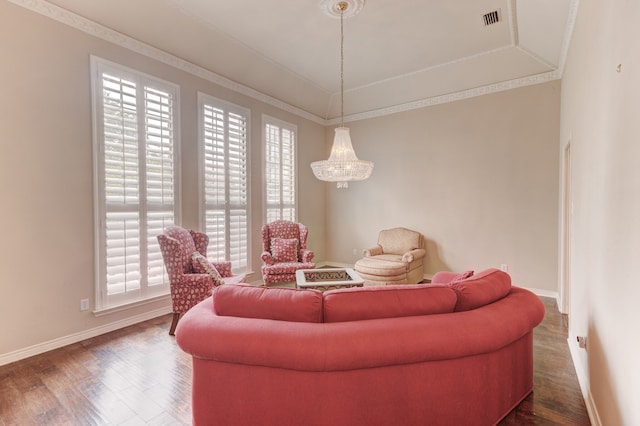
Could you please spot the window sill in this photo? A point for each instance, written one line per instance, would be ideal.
(130, 305)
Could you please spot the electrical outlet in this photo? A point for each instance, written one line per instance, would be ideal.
(84, 305)
(504, 267)
(582, 342)
(355, 252)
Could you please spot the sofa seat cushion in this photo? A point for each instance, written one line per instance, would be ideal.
(287, 267)
(283, 304)
(481, 289)
(363, 303)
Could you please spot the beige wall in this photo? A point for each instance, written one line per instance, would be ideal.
(46, 258)
(477, 177)
(601, 119)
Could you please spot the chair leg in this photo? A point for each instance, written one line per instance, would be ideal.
(174, 323)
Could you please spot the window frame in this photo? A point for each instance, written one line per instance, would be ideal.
(227, 107)
(103, 301)
(282, 125)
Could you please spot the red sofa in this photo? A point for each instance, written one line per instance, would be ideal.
(448, 354)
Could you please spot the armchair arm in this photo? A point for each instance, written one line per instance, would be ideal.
(199, 280)
(267, 258)
(414, 254)
(223, 268)
(306, 255)
(373, 251)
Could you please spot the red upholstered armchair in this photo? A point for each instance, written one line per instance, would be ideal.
(284, 245)
(182, 250)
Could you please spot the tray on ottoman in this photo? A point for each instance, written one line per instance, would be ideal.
(328, 278)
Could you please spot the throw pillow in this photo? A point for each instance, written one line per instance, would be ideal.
(481, 289)
(284, 249)
(446, 277)
(201, 265)
(462, 276)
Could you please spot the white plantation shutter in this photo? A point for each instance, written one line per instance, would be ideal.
(160, 177)
(122, 252)
(136, 181)
(224, 161)
(280, 169)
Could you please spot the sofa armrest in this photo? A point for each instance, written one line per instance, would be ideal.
(373, 251)
(414, 254)
(267, 258)
(306, 255)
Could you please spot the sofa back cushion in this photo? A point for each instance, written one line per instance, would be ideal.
(361, 303)
(284, 304)
(481, 289)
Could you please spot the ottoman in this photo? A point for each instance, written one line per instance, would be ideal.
(388, 269)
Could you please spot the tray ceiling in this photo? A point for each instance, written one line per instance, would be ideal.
(397, 54)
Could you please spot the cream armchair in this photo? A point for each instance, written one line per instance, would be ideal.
(396, 259)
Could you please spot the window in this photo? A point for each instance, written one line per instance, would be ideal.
(280, 169)
(135, 180)
(224, 197)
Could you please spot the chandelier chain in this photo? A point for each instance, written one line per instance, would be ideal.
(342, 66)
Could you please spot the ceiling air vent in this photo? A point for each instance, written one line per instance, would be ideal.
(491, 17)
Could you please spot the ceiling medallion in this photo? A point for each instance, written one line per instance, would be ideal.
(331, 8)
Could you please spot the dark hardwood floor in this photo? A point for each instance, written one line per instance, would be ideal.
(139, 376)
(556, 398)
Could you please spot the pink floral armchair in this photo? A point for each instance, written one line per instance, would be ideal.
(191, 275)
(284, 245)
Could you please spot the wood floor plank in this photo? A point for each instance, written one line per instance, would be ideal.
(106, 402)
(556, 398)
(13, 408)
(139, 376)
(45, 407)
(79, 406)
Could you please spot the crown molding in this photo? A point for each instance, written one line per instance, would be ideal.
(566, 41)
(452, 97)
(92, 28)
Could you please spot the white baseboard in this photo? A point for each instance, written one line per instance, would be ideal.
(77, 337)
(335, 264)
(594, 417)
(583, 380)
(544, 293)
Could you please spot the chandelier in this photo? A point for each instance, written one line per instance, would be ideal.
(343, 165)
